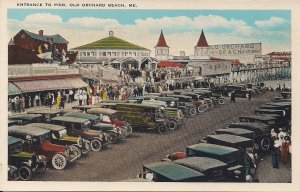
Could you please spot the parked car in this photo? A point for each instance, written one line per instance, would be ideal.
(142, 117)
(171, 172)
(201, 104)
(115, 133)
(215, 170)
(270, 120)
(84, 108)
(280, 116)
(47, 114)
(59, 136)
(23, 119)
(37, 141)
(228, 155)
(23, 164)
(262, 132)
(80, 127)
(238, 132)
(240, 91)
(230, 141)
(113, 117)
(188, 103)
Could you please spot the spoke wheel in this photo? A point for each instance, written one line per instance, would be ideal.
(265, 144)
(25, 173)
(172, 125)
(59, 161)
(96, 145)
(113, 137)
(162, 129)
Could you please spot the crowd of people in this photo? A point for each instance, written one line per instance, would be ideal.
(282, 150)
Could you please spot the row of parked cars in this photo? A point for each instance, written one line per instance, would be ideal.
(221, 156)
(52, 137)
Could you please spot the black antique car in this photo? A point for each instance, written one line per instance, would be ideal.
(23, 119)
(262, 132)
(188, 103)
(171, 172)
(240, 91)
(229, 155)
(60, 137)
(23, 163)
(272, 120)
(80, 127)
(237, 131)
(230, 141)
(215, 170)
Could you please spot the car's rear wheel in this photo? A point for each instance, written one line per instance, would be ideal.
(96, 145)
(25, 173)
(200, 109)
(221, 101)
(247, 95)
(265, 144)
(129, 130)
(76, 151)
(113, 137)
(192, 111)
(162, 129)
(172, 124)
(59, 161)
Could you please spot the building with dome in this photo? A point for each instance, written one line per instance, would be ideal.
(115, 52)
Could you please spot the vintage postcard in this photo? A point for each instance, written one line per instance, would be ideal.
(149, 95)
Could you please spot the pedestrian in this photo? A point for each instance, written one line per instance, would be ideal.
(249, 95)
(37, 100)
(22, 104)
(58, 100)
(276, 152)
(17, 101)
(62, 101)
(232, 97)
(71, 93)
(13, 104)
(285, 150)
(80, 98)
(50, 100)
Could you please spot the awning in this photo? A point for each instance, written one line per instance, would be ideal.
(50, 84)
(169, 64)
(13, 90)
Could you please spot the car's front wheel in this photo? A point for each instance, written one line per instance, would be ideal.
(192, 111)
(200, 109)
(76, 151)
(162, 129)
(25, 173)
(129, 129)
(96, 145)
(221, 101)
(59, 161)
(113, 137)
(265, 144)
(172, 124)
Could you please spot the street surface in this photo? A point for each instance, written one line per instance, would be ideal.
(125, 160)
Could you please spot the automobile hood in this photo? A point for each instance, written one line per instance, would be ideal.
(22, 154)
(69, 138)
(47, 146)
(92, 133)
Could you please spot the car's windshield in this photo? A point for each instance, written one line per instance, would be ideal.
(16, 147)
(43, 138)
(86, 125)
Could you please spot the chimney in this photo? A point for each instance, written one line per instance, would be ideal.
(182, 53)
(41, 32)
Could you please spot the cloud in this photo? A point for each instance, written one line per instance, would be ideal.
(43, 18)
(273, 21)
(92, 22)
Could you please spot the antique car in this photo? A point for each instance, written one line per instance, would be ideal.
(171, 172)
(59, 137)
(187, 102)
(262, 132)
(112, 117)
(229, 141)
(286, 106)
(142, 117)
(240, 91)
(271, 120)
(23, 119)
(37, 141)
(270, 111)
(64, 111)
(215, 97)
(201, 104)
(83, 108)
(215, 170)
(47, 113)
(107, 105)
(115, 133)
(286, 95)
(80, 127)
(229, 155)
(237, 131)
(24, 163)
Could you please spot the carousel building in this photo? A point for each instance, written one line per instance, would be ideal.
(115, 52)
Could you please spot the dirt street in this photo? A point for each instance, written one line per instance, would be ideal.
(125, 160)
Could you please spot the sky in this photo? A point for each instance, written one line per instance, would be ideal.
(181, 28)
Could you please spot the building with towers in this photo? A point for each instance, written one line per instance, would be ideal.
(161, 48)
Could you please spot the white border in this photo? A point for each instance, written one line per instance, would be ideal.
(294, 6)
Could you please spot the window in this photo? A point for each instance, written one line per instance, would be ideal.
(126, 53)
(23, 36)
(88, 53)
(215, 67)
(134, 54)
(114, 54)
(130, 53)
(84, 53)
(109, 54)
(103, 53)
